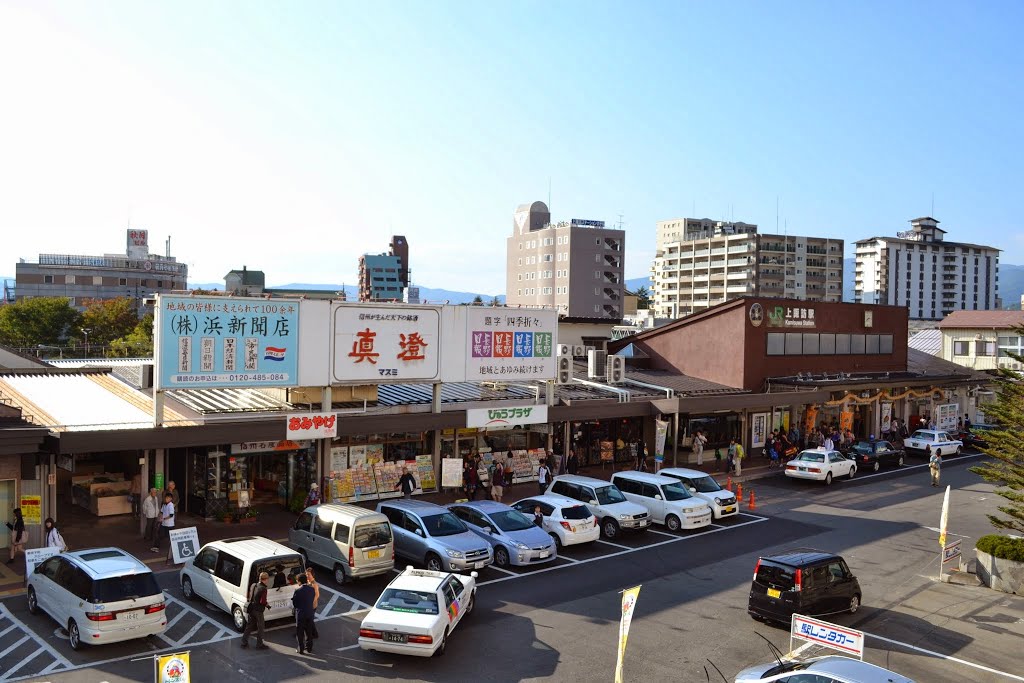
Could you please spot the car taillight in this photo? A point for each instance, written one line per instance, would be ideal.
(100, 616)
(865, 458)
(756, 567)
(422, 640)
(566, 526)
(369, 633)
(814, 469)
(153, 609)
(790, 467)
(351, 557)
(798, 580)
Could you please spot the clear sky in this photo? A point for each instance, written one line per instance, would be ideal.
(292, 137)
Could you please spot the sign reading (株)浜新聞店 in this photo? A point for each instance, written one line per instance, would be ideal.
(506, 416)
(375, 344)
(511, 344)
(226, 342)
(790, 316)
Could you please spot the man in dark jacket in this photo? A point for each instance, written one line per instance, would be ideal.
(407, 483)
(257, 605)
(305, 612)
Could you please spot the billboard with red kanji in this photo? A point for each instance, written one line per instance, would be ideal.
(376, 344)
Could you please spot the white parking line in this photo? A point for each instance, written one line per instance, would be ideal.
(4, 612)
(344, 595)
(327, 608)
(946, 657)
(13, 647)
(499, 569)
(23, 662)
(662, 533)
(191, 633)
(7, 630)
(624, 547)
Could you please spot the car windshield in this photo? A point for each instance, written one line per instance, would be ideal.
(401, 600)
(576, 512)
(444, 524)
(808, 456)
(369, 535)
(863, 447)
(607, 495)
(127, 587)
(705, 484)
(923, 436)
(510, 520)
(675, 491)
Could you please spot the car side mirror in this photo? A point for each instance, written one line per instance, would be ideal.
(419, 532)
(488, 530)
(657, 496)
(691, 489)
(592, 502)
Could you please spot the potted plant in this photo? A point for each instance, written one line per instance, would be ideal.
(249, 515)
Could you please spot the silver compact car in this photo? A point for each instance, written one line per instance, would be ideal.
(831, 668)
(432, 535)
(514, 537)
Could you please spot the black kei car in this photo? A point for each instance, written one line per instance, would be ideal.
(871, 455)
(802, 581)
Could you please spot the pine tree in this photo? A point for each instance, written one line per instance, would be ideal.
(1006, 446)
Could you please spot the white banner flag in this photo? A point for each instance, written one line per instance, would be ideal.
(629, 598)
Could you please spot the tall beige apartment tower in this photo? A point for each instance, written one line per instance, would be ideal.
(701, 262)
(576, 266)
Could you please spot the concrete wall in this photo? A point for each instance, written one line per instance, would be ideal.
(1001, 575)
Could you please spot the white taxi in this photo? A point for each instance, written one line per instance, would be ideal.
(821, 465)
(924, 441)
(417, 612)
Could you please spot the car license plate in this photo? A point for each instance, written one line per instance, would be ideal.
(543, 554)
(774, 593)
(479, 565)
(395, 637)
(131, 616)
(802, 469)
(373, 554)
(645, 522)
(279, 604)
(574, 529)
(730, 509)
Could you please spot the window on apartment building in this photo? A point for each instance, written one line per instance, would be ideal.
(121, 281)
(70, 279)
(47, 279)
(961, 348)
(519, 261)
(519, 292)
(984, 347)
(548, 258)
(519, 277)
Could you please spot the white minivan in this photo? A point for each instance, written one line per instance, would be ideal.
(723, 503)
(351, 541)
(222, 572)
(607, 503)
(668, 501)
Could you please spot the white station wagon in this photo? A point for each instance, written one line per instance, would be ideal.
(417, 612)
(821, 465)
(924, 441)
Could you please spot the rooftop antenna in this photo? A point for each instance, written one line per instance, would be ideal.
(619, 226)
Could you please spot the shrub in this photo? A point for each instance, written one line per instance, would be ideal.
(1003, 547)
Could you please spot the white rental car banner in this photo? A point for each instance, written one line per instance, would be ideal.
(184, 544)
(386, 344)
(846, 640)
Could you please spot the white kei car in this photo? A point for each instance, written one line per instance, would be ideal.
(568, 521)
(924, 441)
(821, 465)
(417, 612)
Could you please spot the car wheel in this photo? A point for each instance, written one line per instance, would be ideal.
(899, 463)
(853, 471)
(501, 557)
(472, 603)
(609, 528)
(238, 618)
(186, 589)
(339, 575)
(854, 604)
(74, 637)
(434, 563)
(877, 466)
(558, 541)
(828, 479)
(33, 604)
(305, 557)
(439, 652)
(957, 450)
(673, 523)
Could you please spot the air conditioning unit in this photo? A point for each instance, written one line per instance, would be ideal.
(596, 362)
(564, 349)
(578, 351)
(616, 369)
(564, 370)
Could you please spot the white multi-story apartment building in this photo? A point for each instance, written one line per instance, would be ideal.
(576, 266)
(700, 262)
(932, 277)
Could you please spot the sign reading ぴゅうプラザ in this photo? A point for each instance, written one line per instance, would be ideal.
(506, 416)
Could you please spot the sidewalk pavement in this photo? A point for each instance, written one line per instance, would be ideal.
(81, 529)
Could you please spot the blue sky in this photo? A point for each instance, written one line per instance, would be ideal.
(292, 137)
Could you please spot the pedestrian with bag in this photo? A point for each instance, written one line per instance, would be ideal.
(731, 457)
(740, 454)
(543, 477)
(303, 603)
(699, 441)
(935, 466)
(316, 598)
(313, 497)
(254, 609)
(18, 535)
(52, 537)
(151, 511)
(406, 483)
(497, 481)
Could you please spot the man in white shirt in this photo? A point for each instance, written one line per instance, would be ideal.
(166, 524)
(151, 511)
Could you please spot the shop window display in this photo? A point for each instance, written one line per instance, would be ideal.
(368, 468)
(608, 441)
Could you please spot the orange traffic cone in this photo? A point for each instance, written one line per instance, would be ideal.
(728, 484)
(739, 495)
(753, 505)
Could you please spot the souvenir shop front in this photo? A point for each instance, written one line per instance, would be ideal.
(609, 441)
(229, 478)
(368, 466)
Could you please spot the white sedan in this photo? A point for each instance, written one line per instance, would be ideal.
(925, 441)
(821, 465)
(417, 612)
(568, 521)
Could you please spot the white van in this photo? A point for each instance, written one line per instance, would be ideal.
(669, 502)
(723, 503)
(223, 571)
(351, 541)
(605, 501)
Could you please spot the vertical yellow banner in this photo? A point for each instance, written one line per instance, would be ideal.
(629, 598)
(173, 668)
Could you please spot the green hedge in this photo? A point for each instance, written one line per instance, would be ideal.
(1002, 547)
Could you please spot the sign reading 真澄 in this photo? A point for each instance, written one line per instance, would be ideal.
(226, 342)
(386, 343)
(511, 344)
(311, 425)
(829, 635)
(506, 416)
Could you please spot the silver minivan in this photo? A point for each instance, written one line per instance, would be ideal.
(351, 541)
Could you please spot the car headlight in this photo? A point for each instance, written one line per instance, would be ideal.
(624, 517)
(453, 553)
(520, 546)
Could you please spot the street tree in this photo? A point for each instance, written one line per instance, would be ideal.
(477, 300)
(643, 298)
(40, 320)
(109, 319)
(136, 344)
(1006, 446)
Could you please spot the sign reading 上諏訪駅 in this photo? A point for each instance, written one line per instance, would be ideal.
(226, 342)
(829, 635)
(311, 425)
(790, 316)
(386, 344)
(506, 416)
(511, 344)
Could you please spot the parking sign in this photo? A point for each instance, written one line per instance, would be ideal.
(184, 544)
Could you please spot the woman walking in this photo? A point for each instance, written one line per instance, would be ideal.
(53, 539)
(18, 535)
